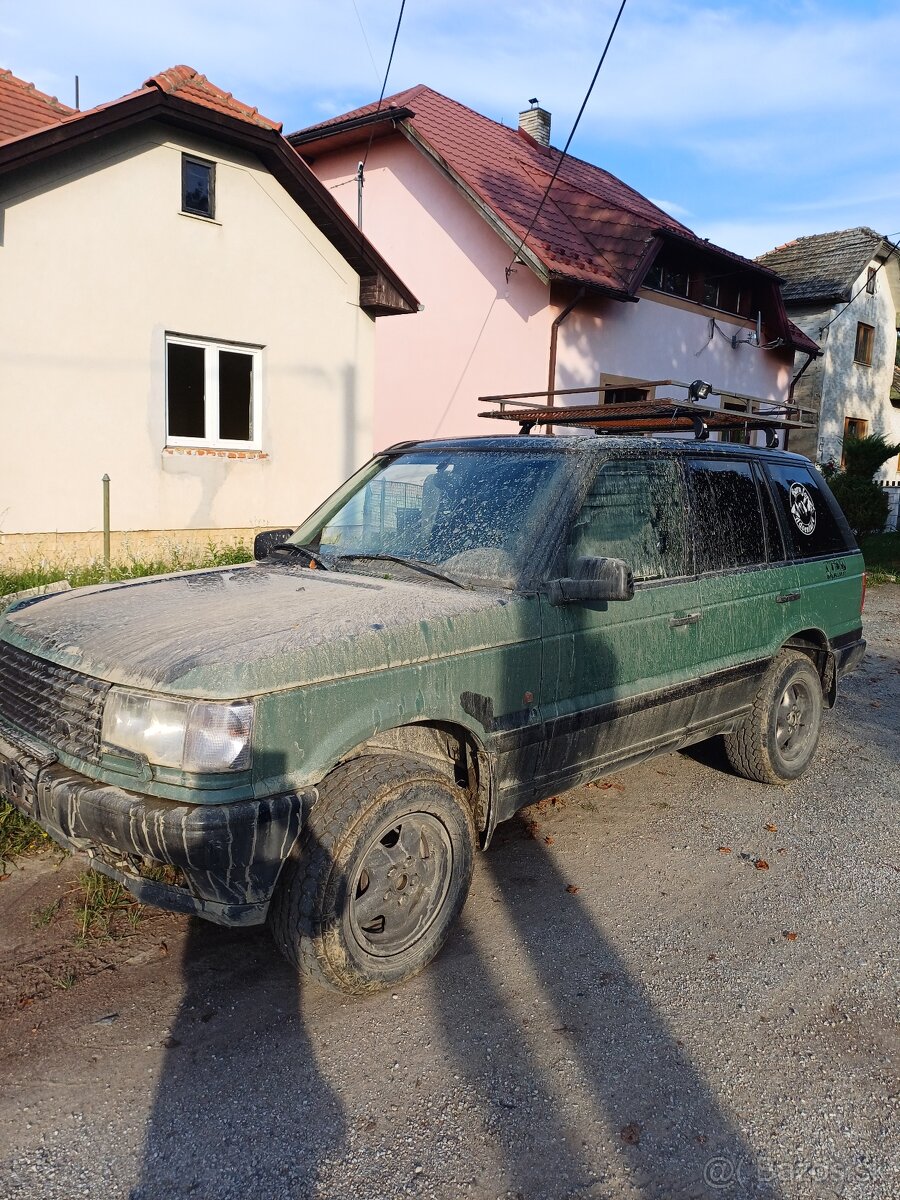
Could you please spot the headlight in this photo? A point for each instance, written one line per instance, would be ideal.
(193, 735)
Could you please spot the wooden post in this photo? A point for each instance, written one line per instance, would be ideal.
(106, 536)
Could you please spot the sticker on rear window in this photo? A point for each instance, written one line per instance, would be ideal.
(802, 509)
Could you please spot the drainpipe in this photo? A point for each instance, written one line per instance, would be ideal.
(796, 379)
(790, 395)
(554, 333)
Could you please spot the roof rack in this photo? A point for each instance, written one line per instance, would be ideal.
(664, 414)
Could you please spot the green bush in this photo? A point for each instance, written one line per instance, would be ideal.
(863, 456)
(864, 503)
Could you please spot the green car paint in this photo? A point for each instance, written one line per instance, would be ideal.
(522, 693)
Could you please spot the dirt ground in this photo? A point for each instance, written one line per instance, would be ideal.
(673, 983)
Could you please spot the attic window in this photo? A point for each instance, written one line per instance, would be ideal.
(701, 280)
(669, 278)
(198, 186)
(870, 280)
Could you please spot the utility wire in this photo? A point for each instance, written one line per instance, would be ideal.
(565, 149)
(383, 86)
(862, 287)
(362, 30)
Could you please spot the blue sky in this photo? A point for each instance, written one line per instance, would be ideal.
(751, 122)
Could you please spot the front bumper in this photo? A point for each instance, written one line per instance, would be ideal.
(229, 855)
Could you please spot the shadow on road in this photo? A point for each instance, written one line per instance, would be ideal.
(231, 1113)
(581, 1089)
(664, 1132)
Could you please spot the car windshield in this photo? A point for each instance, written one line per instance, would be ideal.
(469, 514)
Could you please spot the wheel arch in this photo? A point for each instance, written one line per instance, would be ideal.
(454, 749)
(814, 643)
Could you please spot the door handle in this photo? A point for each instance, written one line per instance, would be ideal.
(690, 619)
(787, 597)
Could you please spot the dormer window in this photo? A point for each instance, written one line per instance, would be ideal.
(198, 186)
(702, 280)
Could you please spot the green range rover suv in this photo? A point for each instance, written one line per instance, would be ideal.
(323, 737)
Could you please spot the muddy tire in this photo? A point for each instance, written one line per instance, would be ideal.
(780, 733)
(381, 874)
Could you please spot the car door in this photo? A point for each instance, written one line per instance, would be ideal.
(747, 585)
(828, 563)
(618, 678)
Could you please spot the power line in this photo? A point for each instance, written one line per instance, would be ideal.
(383, 86)
(862, 287)
(362, 30)
(565, 149)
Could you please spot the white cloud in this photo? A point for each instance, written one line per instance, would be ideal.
(757, 116)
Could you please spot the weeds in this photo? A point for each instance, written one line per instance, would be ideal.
(18, 834)
(174, 558)
(41, 917)
(105, 906)
(881, 552)
(65, 981)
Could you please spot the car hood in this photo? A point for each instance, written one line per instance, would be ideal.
(240, 631)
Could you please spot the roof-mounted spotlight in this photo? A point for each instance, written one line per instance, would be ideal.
(699, 390)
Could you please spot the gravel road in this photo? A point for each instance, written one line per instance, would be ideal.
(673, 983)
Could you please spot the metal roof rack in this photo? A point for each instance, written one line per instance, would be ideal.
(665, 414)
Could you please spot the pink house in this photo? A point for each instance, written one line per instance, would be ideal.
(608, 290)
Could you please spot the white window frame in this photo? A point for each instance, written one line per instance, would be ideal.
(211, 393)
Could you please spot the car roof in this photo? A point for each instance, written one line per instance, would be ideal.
(592, 444)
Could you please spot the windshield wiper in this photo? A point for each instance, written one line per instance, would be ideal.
(405, 562)
(293, 548)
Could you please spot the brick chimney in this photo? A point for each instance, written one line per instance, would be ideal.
(535, 121)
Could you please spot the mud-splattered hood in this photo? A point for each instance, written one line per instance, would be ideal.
(240, 631)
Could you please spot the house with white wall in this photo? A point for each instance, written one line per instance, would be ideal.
(843, 290)
(185, 308)
(596, 287)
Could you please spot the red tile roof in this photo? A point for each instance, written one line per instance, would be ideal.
(191, 85)
(592, 229)
(23, 108)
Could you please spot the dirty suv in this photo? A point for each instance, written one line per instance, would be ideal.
(322, 738)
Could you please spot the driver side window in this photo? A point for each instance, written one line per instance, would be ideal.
(635, 511)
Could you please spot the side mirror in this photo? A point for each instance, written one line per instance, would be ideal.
(594, 579)
(264, 543)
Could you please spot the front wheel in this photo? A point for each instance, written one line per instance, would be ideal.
(383, 870)
(779, 735)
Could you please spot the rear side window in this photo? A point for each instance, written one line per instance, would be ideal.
(635, 511)
(728, 525)
(815, 524)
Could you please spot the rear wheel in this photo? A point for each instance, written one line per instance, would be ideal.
(383, 871)
(780, 733)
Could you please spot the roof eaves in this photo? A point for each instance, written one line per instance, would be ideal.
(320, 133)
(702, 245)
(598, 289)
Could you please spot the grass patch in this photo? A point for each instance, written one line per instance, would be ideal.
(882, 554)
(42, 917)
(174, 558)
(106, 910)
(18, 834)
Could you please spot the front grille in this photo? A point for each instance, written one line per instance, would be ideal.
(52, 703)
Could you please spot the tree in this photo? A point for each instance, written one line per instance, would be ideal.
(864, 503)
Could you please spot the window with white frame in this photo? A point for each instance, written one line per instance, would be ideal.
(212, 394)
